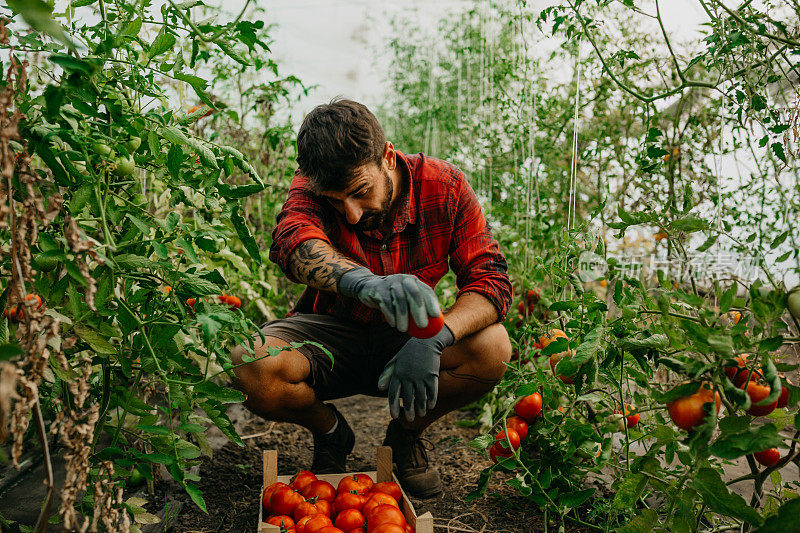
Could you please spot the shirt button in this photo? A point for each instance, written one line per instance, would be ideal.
(384, 246)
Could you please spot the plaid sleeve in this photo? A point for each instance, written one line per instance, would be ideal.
(474, 254)
(298, 221)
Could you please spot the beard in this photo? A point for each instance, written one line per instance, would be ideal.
(372, 220)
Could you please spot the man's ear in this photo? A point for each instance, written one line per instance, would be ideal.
(389, 156)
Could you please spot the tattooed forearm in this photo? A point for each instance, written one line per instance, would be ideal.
(317, 264)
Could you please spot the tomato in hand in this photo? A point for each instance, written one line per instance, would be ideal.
(687, 412)
(529, 407)
(435, 325)
(301, 480)
(281, 521)
(768, 457)
(361, 483)
(389, 487)
(320, 489)
(519, 425)
(284, 500)
(349, 519)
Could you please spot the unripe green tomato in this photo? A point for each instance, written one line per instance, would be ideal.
(133, 144)
(136, 478)
(124, 166)
(101, 149)
(793, 302)
(45, 264)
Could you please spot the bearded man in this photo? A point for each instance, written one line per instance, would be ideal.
(370, 231)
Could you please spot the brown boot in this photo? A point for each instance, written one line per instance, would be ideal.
(410, 457)
(331, 451)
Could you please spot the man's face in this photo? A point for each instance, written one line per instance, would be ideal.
(366, 201)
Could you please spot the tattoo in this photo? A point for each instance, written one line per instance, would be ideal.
(318, 264)
(469, 377)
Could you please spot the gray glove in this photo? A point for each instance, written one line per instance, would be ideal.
(396, 295)
(413, 374)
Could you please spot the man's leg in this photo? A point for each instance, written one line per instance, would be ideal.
(469, 369)
(277, 389)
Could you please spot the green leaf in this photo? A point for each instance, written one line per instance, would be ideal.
(94, 339)
(199, 286)
(174, 160)
(777, 149)
(642, 523)
(174, 135)
(197, 496)
(204, 153)
(576, 498)
(785, 520)
(187, 450)
(154, 430)
(218, 393)
(245, 236)
(9, 351)
(37, 14)
(162, 43)
(718, 498)
(481, 442)
(753, 439)
(709, 242)
(132, 262)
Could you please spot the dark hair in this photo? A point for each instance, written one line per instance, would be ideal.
(334, 140)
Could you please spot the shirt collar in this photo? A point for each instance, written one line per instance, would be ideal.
(407, 211)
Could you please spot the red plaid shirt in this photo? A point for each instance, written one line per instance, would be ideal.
(438, 218)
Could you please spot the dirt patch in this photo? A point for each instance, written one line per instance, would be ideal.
(231, 480)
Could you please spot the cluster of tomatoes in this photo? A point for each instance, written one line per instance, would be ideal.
(356, 505)
(527, 306)
(15, 313)
(527, 410)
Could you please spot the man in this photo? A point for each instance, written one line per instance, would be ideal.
(370, 230)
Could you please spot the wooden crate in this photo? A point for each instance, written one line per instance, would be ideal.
(421, 524)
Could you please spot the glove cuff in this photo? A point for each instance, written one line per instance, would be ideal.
(352, 280)
(441, 340)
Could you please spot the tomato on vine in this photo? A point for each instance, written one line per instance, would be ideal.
(688, 412)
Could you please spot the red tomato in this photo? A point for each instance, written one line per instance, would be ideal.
(307, 508)
(361, 483)
(389, 487)
(390, 528)
(284, 500)
(348, 500)
(312, 524)
(633, 419)
(757, 393)
(737, 374)
(783, 399)
(554, 359)
(495, 452)
(350, 519)
(376, 499)
(529, 407)
(519, 425)
(281, 521)
(533, 295)
(768, 457)
(330, 529)
(325, 507)
(234, 302)
(521, 308)
(502, 442)
(301, 480)
(687, 412)
(434, 326)
(321, 490)
(190, 302)
(268, 494)
(385, 514)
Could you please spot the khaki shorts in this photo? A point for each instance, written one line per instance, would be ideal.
(360, 352)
